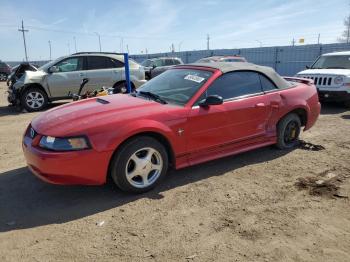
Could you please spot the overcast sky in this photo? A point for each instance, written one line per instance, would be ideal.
(157, 24)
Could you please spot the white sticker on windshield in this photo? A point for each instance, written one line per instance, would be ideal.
(197, 79)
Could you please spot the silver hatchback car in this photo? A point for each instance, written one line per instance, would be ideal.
(58, 79)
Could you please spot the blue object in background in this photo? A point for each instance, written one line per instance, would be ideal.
(127, 72)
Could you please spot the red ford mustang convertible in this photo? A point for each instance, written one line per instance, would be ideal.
(187, 115)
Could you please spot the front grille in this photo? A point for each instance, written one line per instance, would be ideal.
(321, 80)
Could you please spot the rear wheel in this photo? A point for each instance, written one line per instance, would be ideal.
(3, 76)
(139, 165)
(121, 88)
(288, 131)
(34, 99)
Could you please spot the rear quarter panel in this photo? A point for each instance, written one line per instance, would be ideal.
(301, 96)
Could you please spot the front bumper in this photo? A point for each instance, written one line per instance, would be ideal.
(333, 96)
(87, 167)
(12, 96)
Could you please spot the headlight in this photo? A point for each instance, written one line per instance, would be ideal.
(338, 80)
(64, 144)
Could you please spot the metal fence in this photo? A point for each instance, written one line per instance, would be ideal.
(286, 60)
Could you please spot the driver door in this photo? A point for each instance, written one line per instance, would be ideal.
(68, 78)
(240, 120)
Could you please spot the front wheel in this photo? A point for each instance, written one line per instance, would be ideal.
(34, 99)
(139, 165)
(288, 131)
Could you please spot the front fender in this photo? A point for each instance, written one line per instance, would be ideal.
(114, 138)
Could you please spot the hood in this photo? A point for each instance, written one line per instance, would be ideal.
(344, 72)
(79, 117)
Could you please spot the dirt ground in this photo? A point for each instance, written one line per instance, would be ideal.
(240, 208)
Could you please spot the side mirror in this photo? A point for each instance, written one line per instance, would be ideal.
(154, 66)
(307, 67)
(54, 69)
(211, 101)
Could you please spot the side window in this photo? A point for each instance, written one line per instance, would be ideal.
(158, 62)
(176, 62)
(236, 84)
(113, 63)
(267, 84)
(169, 62)
(101, 62)
(70, 64)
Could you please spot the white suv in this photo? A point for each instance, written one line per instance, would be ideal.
(331, 75)
(60, 78)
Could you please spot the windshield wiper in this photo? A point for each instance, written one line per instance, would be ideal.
(335, 67)
(154, 96)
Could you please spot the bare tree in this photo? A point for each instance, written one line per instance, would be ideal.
(345, 37)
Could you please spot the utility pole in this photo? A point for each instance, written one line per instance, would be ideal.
(293, 42)
(208, 39)
(50, 48)
(318, 39)
(99, 40)
(127, 48)
(24, 40)
(172, 48)
(180, 46)
(348, 31)
(75, 44)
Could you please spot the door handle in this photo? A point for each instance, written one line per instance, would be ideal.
(81, 74)
(260, 105)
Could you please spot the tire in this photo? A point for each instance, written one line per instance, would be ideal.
(34, 99)
(288, 131)
(120, 88)
(139, 165)
(3, 76)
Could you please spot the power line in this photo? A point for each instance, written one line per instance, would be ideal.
(24, 40)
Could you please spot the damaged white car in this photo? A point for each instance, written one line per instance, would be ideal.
(59, 79)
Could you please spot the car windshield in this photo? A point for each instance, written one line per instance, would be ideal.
(176, 86)
(146, 63)
(335, 62)
(49, 64)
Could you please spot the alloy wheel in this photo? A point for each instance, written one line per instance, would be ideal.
(35, 100)
(3, 77)
(144, 167)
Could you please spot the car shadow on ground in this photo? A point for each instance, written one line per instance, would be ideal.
(333, 108)
(27, 202)
(12, 110)
(346, 117)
